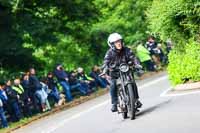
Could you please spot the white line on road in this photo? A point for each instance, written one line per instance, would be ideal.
(164, 94)
(75, 116)
(153, 82)
(52, 129)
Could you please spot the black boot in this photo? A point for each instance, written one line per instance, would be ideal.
(114, 108)
(139, 104)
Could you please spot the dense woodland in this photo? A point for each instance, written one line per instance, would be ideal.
(41, 33)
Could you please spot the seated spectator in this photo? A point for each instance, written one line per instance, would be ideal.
(13, 101)
(63, 79)
(6, 104)
(27, 93)
(24, 99)
(44, 95)
(100, 81)
(84, 78)
(39, 95)
(52, 85)
(2, 113)
(169, 45)
(161, 54)
(76, 84)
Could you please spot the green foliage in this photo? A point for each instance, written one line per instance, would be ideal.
(126, 17)
(177, 19)
(73, 32)
(42, 33)
(185, 65)
(180, 21)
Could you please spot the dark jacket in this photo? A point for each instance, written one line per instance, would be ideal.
(113, 58)
(25, 84)
(34, 83)
(11, 94)
(94, 75)
(82, 76)
(51, 83)
(116, 58)
(60, 75)
(152, 47)
(73, 79)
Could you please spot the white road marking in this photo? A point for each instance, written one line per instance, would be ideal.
(76, 116)
(61, 123)
(152, 82)
(164, 94)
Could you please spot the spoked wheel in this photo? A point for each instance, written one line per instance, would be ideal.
(131, 104)
(122, 106)
(125, 113)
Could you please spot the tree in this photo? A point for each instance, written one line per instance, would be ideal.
(179, 20)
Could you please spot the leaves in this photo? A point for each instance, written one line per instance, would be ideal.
(185, 66)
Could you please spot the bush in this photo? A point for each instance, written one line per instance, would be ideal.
(185, 65)
(177, 19)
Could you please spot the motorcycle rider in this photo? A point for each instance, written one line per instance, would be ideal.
(117, 54)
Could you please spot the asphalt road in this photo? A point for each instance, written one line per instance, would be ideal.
(159, 114)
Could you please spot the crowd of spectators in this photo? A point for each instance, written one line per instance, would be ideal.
(28, 94)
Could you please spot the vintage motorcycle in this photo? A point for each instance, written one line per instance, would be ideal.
(126, 87)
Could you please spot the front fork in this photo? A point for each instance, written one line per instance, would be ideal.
(122, 92)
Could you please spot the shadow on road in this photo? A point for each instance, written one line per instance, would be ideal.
(151, 109)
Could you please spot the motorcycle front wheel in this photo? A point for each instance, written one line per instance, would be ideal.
(131, 103)
(122, 106)
(124, 114)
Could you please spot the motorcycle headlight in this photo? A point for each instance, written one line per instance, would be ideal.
(124, 67)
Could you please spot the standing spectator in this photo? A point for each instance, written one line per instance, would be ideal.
(13, 101)
(154, 51)
(2, 113)
(144, 57)
(63, 79)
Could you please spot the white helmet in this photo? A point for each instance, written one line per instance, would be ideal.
(80, 70)
(113, 38)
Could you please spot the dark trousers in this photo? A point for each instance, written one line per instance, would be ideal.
(55, 94)
(8, 108)
(67, 89)
(26, 107)
(3, 118)
(79, 87)
(149, 65)
(101, 82)
(16, 110)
